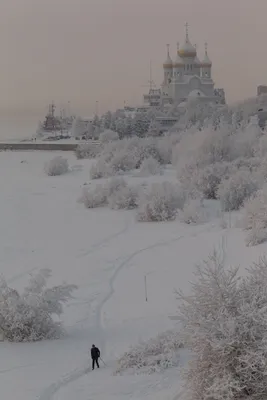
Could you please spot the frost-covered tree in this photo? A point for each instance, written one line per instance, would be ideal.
(106, 120)
(78, 128)
(255, 218)
(108, 136)
(154, 128)
(224, 324)
(30, 316)
(57, 166)
(239, 187)
(90, 130)
(141, 124)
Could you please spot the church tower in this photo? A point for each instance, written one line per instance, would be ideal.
(206, 65)
(178, 66)
(167, 67)
(188, 53)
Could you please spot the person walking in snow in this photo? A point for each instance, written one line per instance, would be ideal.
(95, 354)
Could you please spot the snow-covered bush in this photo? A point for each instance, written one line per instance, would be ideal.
(57, 166)
(234, 191)
(193, 212)
(256, 235)
(154, 355)
(224, 322)
(108, 193)
(160, 202)
(123, 161)
(101, 169)
(255, 211)
(114, 185)
(204, 180)
(255, 218)
(249, 164)
(124, 198)
(149, 166)
(108, 136)
(93, 198)
(165, 147)
(29, 316)
(87, 150)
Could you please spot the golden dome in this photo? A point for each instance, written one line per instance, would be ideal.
(187, 50)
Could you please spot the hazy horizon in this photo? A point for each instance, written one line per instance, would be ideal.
(91, 50)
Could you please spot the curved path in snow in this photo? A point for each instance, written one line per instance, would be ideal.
(77, 373)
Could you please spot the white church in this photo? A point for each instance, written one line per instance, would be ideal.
(185, 76)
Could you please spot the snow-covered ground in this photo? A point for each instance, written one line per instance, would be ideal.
(107, 254)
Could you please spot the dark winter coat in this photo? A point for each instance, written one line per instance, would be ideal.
(95, 353)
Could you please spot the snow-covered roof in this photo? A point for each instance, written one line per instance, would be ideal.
(196, 93)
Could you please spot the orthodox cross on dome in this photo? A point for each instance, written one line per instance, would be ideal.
(168, 49)
(186, 31)
(206, 48)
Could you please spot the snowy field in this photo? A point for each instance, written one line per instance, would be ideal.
(107, 254)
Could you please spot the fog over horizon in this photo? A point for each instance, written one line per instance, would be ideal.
(85, 51)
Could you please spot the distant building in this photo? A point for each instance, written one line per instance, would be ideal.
(262, 89)
(185, 77)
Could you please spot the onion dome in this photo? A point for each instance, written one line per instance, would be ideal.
(168, 61)
(187, 50)
(206, 62)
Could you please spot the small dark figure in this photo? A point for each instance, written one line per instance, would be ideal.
(95, 354)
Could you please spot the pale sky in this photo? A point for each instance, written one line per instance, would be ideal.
(99, 50)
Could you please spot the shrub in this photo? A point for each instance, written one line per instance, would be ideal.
(255, 211)
(223, 321)
(193, 212)
(154, 355)
(87, 150)
(204, 180)
(256, 235)
(108, 136)
(29, 316)
(255, 218)
(114, 185)
(149, 166)
(57, 166)
(101, 169)
(160, 203)
(101, 195)
(234, 191)
(123, 161)
(94, 198)
(124, 198)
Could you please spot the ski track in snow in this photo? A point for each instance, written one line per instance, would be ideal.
(106, 240)
(77, 373)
